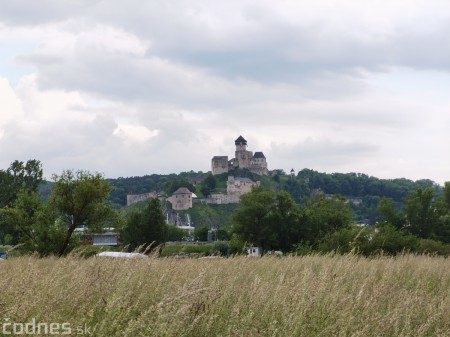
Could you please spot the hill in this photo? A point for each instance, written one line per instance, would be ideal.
(363, 191)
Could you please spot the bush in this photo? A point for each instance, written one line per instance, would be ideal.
(221, 248)
(346, 240)
(387, 239)
(428, 246)
(175, 233)
(188, 249)
(384, 239)
(236, 246)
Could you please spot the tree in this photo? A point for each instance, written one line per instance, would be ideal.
(35, 222)
(208, 185)
(268, 220)
(447, 194)
(322, 215)
(251, 220)
(19, 176)
(175, 184)
(201, 233)
(421, 213)
(146, 227)
(174, 233)
(285, 221)
(298, 189)
(388, 213)
(80, 198)
(390, 240)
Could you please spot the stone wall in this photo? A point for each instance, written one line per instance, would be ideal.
(219, 165)
(236, 187)
(134, 198)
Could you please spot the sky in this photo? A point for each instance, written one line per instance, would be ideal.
(136, 87)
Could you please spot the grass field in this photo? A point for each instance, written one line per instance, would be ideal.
(288, 296)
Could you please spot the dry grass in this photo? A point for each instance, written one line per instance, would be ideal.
(290, 296)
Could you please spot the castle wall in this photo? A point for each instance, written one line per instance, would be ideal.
(219, 165)
(240, 186)
(134, 198)
(243, 158)
(236, 187)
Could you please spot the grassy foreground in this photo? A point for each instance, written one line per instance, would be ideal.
(289, 296)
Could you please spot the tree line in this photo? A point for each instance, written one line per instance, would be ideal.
(272, 218)
(45, 223)
(323, 223)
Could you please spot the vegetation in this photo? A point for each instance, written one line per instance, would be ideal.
(302, 296)
(146, 227)
(274, 222)
(188, 250)
(309, 212)
(80, 198)
(46, 226)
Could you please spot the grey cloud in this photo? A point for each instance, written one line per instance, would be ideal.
(320, 60)
(322, 153)
(24, 12)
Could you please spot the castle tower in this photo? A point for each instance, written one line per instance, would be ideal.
(243, 157)
(241, 144)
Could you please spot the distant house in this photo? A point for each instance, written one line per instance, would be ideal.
(181, 199)
(254, 251)
(106, 239)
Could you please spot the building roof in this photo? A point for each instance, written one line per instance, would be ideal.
(240, 140)
(259, 155)
(182, 190)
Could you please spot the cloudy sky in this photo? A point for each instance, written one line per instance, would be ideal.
(136, 87)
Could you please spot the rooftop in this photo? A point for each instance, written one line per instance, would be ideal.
(240, 140)
(182, 190)
(259, 155)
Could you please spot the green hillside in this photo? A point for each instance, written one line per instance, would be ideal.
(363, 191)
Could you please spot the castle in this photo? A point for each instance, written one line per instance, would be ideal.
(236, 187)
(255, 163)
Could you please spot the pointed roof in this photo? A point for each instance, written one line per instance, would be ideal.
(182, 190)
(240, 140)
(259, 155)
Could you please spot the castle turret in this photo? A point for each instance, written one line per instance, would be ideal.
(243, 157)
(241, 144)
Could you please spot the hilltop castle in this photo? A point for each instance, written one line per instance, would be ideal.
(255, 163)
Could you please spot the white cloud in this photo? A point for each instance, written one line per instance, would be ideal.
(11, 105)
(138, 87)
(135, 134)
